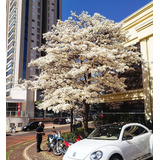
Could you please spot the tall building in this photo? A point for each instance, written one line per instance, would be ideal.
(26, 21)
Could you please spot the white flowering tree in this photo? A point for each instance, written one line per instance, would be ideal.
(84, 56)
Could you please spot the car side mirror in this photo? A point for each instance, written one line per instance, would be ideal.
(128, 137)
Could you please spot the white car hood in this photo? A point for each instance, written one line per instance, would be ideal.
(83, 148)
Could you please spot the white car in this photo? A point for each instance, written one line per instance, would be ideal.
(68, 120)
(113, 142)
(78, 118)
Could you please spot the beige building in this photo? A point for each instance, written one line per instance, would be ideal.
(139, 27)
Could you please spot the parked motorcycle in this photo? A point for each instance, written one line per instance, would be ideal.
(13, 129)
(62, 145)
(59, 148)
(58, 144)
(51, 141)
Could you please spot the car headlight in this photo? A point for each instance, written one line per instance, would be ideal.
(96, 155)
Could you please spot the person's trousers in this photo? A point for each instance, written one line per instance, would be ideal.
(39, 140)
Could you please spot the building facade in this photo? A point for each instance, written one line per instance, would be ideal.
(139, 27)
(26, 21)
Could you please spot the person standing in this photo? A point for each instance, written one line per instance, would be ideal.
(39, 133)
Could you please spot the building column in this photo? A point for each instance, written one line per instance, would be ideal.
(146, 49)
(30, 103)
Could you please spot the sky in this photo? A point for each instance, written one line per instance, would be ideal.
(115, 10)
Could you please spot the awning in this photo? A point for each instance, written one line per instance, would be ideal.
(15, 100)
(124, 96)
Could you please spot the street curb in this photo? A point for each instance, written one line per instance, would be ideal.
(25, 152)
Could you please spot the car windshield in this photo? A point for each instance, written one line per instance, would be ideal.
(106, 133)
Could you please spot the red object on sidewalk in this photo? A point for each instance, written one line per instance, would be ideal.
(78, 138)
(67, 143)
(19, 109)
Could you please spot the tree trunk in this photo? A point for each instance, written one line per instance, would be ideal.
(85, 117)
(71, 124)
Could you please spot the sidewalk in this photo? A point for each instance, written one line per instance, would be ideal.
(27, 150)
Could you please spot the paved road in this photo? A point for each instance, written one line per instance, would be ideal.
(19, 137)
(17, 143)
(23, 143)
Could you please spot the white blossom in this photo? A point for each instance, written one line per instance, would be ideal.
(84, 55)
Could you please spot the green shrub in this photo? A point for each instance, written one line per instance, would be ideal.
(72, 136)
(69, 136)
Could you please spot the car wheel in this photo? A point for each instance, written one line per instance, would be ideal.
(116, 157)
(28, 129)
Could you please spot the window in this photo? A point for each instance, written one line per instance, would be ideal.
(33, 20)
(38, 30)
(39, 4)
(142, 130)
(38, 43)
(133, 131)
(38, 23)
(12, 124)
(38, 17)
(39, 10)
(37, 71)
(20, 124)
(38, 36)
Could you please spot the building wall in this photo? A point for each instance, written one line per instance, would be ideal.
(30, 18)
(139, 27)
(19, 122)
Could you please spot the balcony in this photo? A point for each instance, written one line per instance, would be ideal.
(11, 41)
(12, 3)
(11, 45)
(10, 55)
(9, 76)
(9, 81)
(16, 114)
(9, 68)
(10, 60)
(12, 26)
(11, 33)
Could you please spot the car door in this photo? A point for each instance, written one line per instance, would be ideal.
(143, 138)
(35, 125)
(32, 126)
(134, 142)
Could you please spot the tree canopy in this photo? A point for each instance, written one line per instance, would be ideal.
(84, 56)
